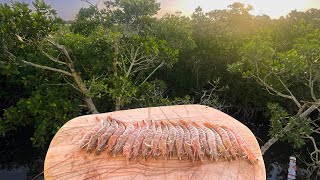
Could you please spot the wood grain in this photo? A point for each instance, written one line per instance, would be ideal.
(65, 161)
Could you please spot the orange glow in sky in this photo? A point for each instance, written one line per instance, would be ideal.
(273, 8)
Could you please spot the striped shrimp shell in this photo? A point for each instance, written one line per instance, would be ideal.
(221, 148)
(211, 139)
(188, 139)
(94, 138)
(163, 141)
(195, 141)
(84, 141)
(203, 139)
(179, 140)
(156, 140)
(187, 143)
(127, 148)
(103, 139)
(225, 139)
(122, 139)
(138, 141)
(242, 144)
(233, 141)
(171, 138)
(113, 139)
(146, 145)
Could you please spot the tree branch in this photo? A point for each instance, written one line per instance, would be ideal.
(292, 96)
(271, 88)
(61, 48)
(132, 59)
(46, 67)
(160, 65)
(309, 110)
(287, 128)
(311, 84)
(40, 66)
(52, 58)
(72, 85)
(91, 4)
(316, 151)
(77, 78)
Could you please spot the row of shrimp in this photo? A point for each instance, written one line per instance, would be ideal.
(166, 138)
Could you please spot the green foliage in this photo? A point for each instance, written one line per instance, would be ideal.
(135, 15)
(33, 103)
(98, 86)
(151, 94)
(287, 71)
(123, 88)
(262, 61)
(92, 52)
(46, 109)
(279, 118)
(218, 35)
(298, 134)
(175, 30)
(258, 51)
(161, 61)
(18, 16)
(18, 23)
(155, 47)
(154, 94)
(88, 19)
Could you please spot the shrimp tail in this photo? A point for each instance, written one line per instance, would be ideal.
(252, 159)
(209, 125)
(184, 122)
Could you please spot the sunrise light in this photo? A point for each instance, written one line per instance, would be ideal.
(273, 8)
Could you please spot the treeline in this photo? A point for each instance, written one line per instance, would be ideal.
(122, 56)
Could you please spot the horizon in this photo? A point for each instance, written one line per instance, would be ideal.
(67, 10)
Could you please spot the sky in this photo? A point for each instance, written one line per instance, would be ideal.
(67, 9)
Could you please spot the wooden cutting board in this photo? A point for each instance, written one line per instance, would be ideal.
(65, 161)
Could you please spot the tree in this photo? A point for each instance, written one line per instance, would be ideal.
(133, 15)
(139, 58)
(89, 19)
(176, 30)
(28, 39)
(37, 23)
(138, 54)
(217, 36)
(293, 75)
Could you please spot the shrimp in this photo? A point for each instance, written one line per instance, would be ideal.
(94, 138)
(138, 141)
(103, 139)
(86, 138)
(211, 140)
(221, 148)
(113, 139)
(122, 139)
(171, 138)
(244, 147)
(233, 140)
(163, 141)
(187, 143)
(127, 148)
(203, 138)
(195, 141)
(156, 140)
(179, 139)
(225, 139)
(147, 140)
